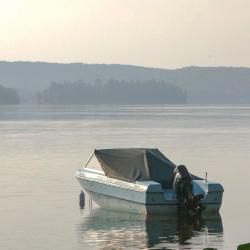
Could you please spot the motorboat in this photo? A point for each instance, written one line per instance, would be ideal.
(144, 180)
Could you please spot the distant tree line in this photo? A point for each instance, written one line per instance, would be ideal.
(113, 92)
(8, 96)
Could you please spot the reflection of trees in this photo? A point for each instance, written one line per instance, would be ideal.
(128, 230)
(8, 96)
(113, 92)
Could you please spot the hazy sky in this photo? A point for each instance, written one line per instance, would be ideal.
(158, 33)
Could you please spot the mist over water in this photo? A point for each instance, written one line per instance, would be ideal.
(42, 147)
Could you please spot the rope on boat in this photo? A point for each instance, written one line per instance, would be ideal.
(89, 160)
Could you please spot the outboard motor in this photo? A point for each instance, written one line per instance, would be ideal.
(183, 187)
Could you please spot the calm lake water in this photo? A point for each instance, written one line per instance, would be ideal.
(42, 147)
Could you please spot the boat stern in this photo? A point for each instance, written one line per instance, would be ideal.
(212, 193)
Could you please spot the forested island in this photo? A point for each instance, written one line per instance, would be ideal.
(8, 96)
(113, 92)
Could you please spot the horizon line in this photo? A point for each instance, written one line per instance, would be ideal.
(130, 65)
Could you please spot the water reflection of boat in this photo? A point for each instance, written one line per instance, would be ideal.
(144, 180)
(106, 228)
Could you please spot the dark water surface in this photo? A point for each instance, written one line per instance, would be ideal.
(42, 147)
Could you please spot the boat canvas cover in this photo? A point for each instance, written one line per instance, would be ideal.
(136, 164)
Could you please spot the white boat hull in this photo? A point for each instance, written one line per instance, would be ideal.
(143, 197)
(113, 203)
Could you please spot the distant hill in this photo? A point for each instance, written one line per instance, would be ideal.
(204, 85)
(8, 96)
